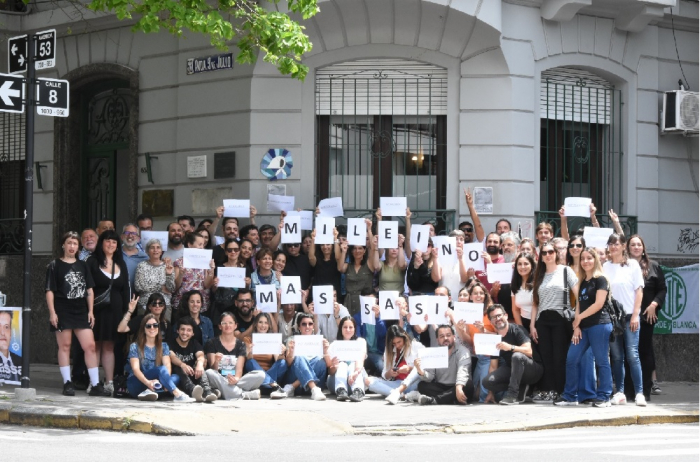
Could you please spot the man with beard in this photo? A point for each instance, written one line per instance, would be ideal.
(104, 225)
(245, 313)
(132, 254)
(175, 246)
(450, 385)
(298, 264)
(503, 226)
(10, 363)
(230, 232)
(145, 222)
(519, 369)
(187, 223)
(493, 245)
(88, 240)
(500, 293)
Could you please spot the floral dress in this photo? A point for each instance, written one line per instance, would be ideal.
(192, 279)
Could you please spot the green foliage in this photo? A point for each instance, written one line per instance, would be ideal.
(251, 27)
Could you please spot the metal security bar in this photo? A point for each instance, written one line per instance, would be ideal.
(12, 165)
(581, 140)
(381, 131)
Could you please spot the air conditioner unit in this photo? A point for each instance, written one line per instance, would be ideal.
(681, 112)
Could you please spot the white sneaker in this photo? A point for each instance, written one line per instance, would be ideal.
(197, 393)
(619, 398)
(148, 395)
(255, 394)
(279, 393)
(413, 396)
(289, 390)
(109, 386)
(639, 400)
(317, 394)
(183, 398)
(393, 397)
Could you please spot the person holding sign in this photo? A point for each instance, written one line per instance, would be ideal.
(226, 358)
(358, 275)
(392, 271)
(517, 367)
(273, 365)
(343, 374)
(264, 274)
(422, 278)
(550, 327)
(191, 305)
(563, 217)
(224, 297)
(455, 276)
(452, 385)
(397, 377)
(307, 372)
(326, 324)
(374, 334)
(154, 276)
(187, 279)
(325, 261)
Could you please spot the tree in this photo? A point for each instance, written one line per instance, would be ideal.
(251, 27)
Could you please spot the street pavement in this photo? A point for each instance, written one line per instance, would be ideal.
(303, 416)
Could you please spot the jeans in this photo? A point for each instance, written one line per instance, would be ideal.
(586, 376)
(249, 382)
(188, 382)
(480, 372)
(554, 336)
(136, 387)
(384, 387)
(523, 370)
(594, 339)
(307, 370)
(646, 355)
(626, 346)
(272, 375)
(340, 379)
(445, 394)
(374, 364)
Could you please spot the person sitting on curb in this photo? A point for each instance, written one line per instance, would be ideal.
(521, 367)
(449, 385)
(273, 365)
(399, 376)
(187, 355)
(347, 378)
(149, 358)
(309, 372)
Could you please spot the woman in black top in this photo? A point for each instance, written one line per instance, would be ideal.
(421, 278)
(592, 328)
(154, 306)
(653, 297)
(324, 259)
(69, 298)
(109, 273)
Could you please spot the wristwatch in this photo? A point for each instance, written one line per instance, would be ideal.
(512, 348)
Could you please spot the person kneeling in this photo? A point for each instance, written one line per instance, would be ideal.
(449, 385)
(187, 355)
(149, 359)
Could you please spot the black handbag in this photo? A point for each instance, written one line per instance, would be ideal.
(567, 313)
(104, 300)
(617, 316)
(120, 390)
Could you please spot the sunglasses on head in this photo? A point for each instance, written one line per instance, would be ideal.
(151, 326)
(578, 246)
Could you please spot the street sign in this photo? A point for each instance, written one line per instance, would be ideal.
(45, 49)
(11, 93)
(17, 54)
(52, 97)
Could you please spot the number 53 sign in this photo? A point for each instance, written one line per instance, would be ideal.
(52, 96)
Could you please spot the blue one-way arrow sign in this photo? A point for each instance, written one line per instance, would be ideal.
(11, 93)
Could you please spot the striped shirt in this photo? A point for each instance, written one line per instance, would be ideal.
(551, 291)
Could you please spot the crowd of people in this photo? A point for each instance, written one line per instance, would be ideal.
(159, 327)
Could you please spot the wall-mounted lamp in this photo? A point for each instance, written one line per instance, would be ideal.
(147, 169)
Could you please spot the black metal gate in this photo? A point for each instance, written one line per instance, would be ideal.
(12, 166)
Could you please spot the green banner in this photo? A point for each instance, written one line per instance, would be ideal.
(679, 314)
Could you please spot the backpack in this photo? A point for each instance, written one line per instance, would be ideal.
(617, 316)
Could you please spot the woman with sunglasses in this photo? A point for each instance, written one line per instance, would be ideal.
(187, 279)
(132, 320)
(358, 276)
(347, 378)
(149, 364)
(397, 378)
(627, 282)
(154, 276)
(224, 297)
(191, 305)
(549, 327)
(69, 299)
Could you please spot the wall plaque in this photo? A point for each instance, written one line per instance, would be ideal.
(157, 202)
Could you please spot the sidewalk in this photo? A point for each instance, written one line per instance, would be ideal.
(302, 416)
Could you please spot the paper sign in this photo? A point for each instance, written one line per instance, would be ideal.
(485, 344)
(277, 203)
(291, 230)
(435, 307)
(324, 230)
(348, 350)
(447, 250)
(308, 345)
(323, 299)
(472, 256)
(393, 206)
(307, 218)
(267, 344)
(162, 236)
(577, 207)
(366, 313)
(331, 207)
(196, 258)
(433, 358)
(266, 298)
(239, 208)
(290, 286)
(388, 310)
(597, 237)
(420, 235)
(500, 272)
(219, 240)
(417, 309)
(388, 232)
(357, 231)
(469, 312)
(231, 277)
